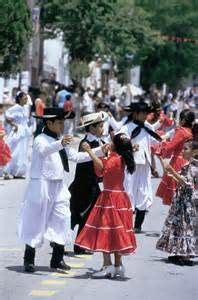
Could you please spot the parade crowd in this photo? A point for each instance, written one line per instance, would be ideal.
(125, 138)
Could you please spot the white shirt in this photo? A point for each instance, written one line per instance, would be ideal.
(143, 140)
(46, 160)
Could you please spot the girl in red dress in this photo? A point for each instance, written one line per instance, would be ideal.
(161, 123)
(173, 150)
(109, 226)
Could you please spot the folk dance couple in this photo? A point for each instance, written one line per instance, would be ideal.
(44, 214)
(113, 233)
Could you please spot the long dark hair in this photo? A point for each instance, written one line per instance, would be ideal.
(188, 117)
(123, 147)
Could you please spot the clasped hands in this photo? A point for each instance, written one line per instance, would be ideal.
(86, 147)
(66, 139)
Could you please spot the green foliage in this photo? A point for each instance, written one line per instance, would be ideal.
(15, 29)
(120, 27)
(111, 27)
(171, 61)
(78, 70)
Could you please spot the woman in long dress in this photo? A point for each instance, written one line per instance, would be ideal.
(172, 150)
(17, 117)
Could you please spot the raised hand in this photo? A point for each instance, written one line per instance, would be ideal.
(105, 148)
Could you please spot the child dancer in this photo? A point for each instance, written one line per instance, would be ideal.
(108, 228)
(178, 232)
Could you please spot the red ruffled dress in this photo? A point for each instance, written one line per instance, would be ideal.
(173, 150)
(5, 154)
(109, 226)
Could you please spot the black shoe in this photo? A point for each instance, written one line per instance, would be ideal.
(29, 256)
(176, 260)
(18, 177)
(188, 262)
(61, 266)
(138, 230)
(29, 268)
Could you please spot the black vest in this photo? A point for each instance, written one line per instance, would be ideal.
(84, 189)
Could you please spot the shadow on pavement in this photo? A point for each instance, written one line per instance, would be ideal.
(88, 275)
(152, 233)
(20, 269)
(165, 260)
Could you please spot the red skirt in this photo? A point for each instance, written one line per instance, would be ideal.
(168, 185)
(109, 226)
(5, 154)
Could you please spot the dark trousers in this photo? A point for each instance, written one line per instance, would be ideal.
(80, 227)
(29, 254)
(139, 218)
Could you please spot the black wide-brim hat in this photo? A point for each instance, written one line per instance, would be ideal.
(55, 113)
(138, 107)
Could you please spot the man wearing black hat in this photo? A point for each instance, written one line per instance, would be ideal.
(46, 206)
(138, 185)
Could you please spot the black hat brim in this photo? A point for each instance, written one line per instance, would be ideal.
(65, 115)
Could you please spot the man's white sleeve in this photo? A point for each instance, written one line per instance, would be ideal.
(80, 157)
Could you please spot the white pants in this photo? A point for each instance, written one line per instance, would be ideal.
(45, 213)
(138, 186)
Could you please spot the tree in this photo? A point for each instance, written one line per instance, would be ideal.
(110, 27)
(15, 30)
(172, 60)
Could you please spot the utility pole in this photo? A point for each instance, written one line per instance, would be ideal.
(32, 60)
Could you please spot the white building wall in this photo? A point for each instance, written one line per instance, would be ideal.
(56, 59)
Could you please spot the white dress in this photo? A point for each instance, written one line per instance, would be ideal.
(18, 141)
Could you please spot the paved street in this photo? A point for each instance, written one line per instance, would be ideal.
(149, 276)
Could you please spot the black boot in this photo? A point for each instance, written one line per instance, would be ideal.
(57, 261)
(139, 219)
(29, 257)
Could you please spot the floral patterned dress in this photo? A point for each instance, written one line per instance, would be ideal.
(178, 236)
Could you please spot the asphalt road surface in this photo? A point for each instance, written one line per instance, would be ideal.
(149, 275)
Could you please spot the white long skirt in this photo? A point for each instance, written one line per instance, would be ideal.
(45, 213)
(18, 143)
(138, 186)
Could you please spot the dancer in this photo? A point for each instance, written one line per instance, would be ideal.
(178, 232)
(85, 187)
(172, 149)
(18, 138)
(138, 185)
(161, 123)
(45, 211)
(108, 228)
